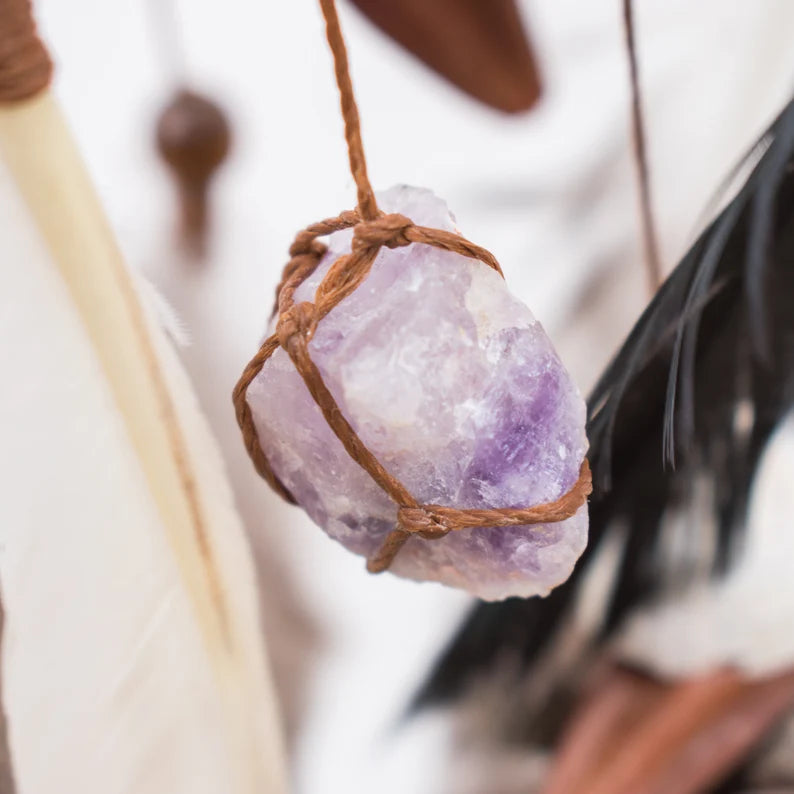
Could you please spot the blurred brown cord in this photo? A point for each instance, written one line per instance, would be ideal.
(647, 223)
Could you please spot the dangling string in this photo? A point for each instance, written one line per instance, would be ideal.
(367, 205)
(641, 156)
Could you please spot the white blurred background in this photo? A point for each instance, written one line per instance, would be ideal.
(552, 194)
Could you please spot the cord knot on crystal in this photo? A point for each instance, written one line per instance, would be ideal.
(422, 521)
(297, 321)
(387, 230)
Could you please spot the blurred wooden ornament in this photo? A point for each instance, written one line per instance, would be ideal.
(193, 138)
(479, 45)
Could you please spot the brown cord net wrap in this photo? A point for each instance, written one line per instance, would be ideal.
(25, 65)
(295, 328)
(297, 323)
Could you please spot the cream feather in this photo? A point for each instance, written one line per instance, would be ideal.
(132, 658)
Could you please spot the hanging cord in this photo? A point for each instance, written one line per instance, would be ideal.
(367, 205)
(297, 323)
(649, 238)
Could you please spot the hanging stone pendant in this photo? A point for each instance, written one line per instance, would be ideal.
(453, 385)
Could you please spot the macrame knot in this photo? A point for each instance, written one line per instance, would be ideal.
(299, 320)
(387, 230)
(423, 522)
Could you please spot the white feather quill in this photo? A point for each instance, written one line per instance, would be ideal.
(132, 658)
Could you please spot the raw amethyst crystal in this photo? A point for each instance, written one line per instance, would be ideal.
(454, 386)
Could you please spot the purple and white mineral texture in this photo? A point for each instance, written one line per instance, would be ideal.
(454, 386)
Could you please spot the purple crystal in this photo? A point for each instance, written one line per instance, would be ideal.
(455, 387)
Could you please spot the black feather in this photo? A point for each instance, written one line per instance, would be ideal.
(717, 339)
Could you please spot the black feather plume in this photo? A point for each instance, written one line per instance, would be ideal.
(701, 383)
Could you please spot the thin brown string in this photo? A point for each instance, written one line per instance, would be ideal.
(25, 65)
(649, 237)
(297, 323)
(355, 147)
